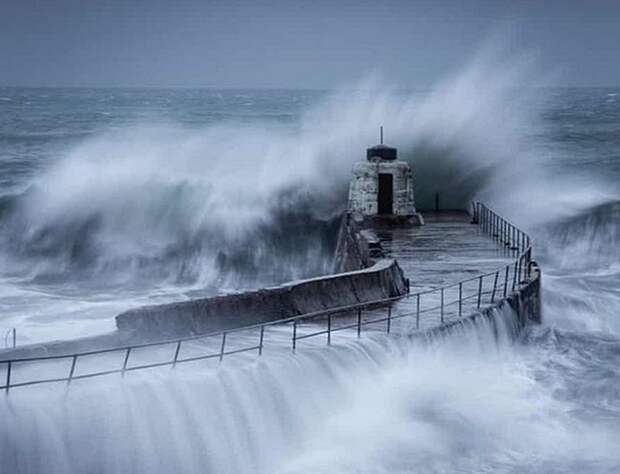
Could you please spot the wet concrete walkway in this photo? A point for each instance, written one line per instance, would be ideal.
(447, 249)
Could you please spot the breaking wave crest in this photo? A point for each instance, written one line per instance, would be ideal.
(582, 269)
(237, 205)
(234, 205)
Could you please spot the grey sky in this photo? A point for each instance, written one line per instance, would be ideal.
(306, 44)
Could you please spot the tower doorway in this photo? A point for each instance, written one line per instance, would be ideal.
(386, 193)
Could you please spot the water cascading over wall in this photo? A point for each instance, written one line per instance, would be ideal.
(264, 417)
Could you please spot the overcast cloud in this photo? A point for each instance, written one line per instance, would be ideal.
(295, 44)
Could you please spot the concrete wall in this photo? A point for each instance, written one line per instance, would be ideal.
(352, 248)
(364, 187)
(385, 279)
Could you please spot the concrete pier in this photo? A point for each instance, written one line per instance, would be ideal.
(446, 250)
(459, 274)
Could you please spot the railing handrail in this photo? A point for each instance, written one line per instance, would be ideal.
(314, 314)
(483, 216)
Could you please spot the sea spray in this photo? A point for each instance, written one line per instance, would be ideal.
(250, 204)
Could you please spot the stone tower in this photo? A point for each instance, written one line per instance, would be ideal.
(382, 188)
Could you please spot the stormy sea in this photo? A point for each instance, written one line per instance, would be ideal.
(116, 198)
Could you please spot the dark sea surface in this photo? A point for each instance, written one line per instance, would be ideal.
(113, 198)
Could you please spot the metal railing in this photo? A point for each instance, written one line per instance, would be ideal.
(10, 338)
(428, 308)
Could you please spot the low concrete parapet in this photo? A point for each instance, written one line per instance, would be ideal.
(385, 279)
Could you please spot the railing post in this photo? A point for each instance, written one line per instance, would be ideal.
(460, 299)
(515, 242)
(262, 337)
(359, 322)
(480, 290)
(14, 338)
(417, 312)
(506, 281)
(487, 219)
(176, 354)
(509, 242)
(389, 318)
(8, 376)
(441, 305)
(126, 361)
(500, 229)
(72, 370)
(517, 239)
(514, 277)
(294, 334)
(494, 287)
(508, 232)
(490, 226)
(223, 346)
(329, 329)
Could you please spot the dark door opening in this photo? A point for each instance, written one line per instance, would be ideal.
(386, 192)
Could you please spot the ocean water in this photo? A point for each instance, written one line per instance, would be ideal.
(116, 198)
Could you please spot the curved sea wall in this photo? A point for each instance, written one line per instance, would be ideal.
(384, 279)
(362, 279)
(524, 304)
